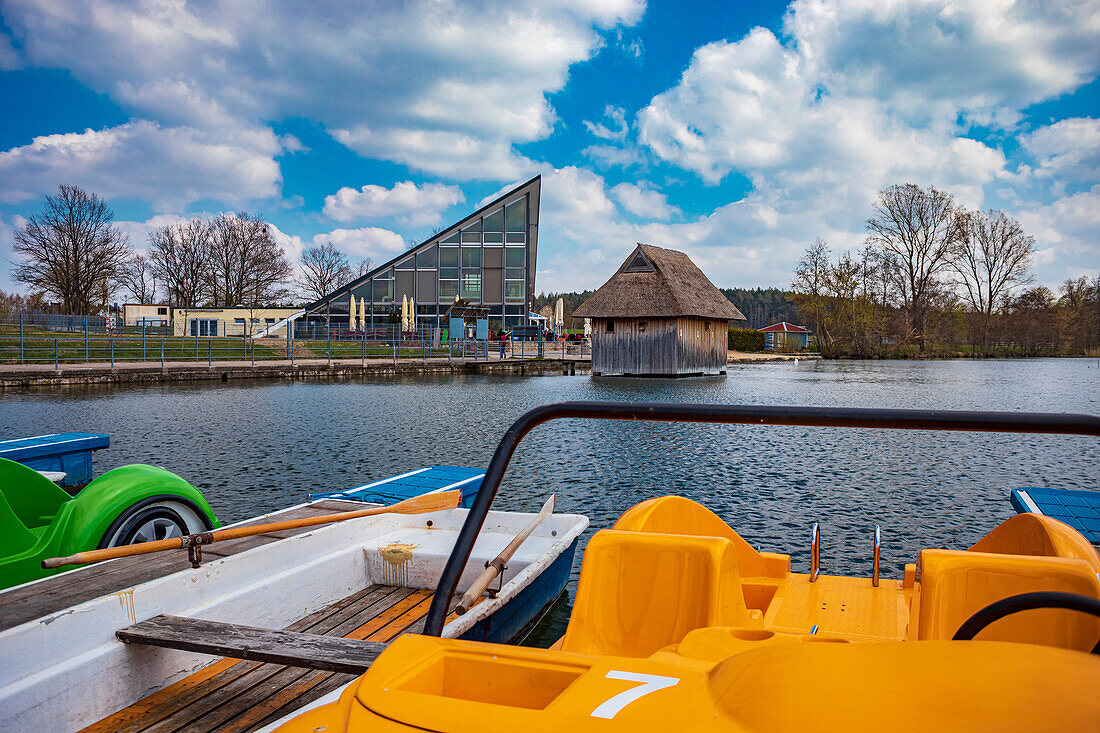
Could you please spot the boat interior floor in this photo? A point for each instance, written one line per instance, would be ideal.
(237, 696)
(55, 594)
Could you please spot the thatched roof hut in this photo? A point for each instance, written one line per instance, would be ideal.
(658, 315)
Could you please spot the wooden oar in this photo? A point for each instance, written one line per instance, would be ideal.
(496, 566)
(415, 505)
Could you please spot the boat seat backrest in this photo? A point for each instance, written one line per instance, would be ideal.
(33, 498)
(1035, 534)
(952, 586)
(677, 515)
(641, 591)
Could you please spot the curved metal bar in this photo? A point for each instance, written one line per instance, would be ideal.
(878, 545)
(844, 417)
(815, 552)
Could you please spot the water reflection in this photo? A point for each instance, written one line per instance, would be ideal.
(256, 447)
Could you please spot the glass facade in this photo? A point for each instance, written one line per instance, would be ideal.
(487, 259)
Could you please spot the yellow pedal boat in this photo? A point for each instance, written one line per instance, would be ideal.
(679, 624)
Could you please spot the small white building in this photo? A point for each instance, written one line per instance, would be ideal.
(215, 322)
(144, 314)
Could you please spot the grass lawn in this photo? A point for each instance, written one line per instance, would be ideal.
(40, 347)
(373, 350)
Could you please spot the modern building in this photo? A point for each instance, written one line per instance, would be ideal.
(486, 258)
(785, 336)
(658, 316)
(143, 314)
(214, 322)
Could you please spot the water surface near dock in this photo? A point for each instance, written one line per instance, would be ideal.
(253, 447)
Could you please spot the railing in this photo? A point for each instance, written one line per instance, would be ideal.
(1007, 422)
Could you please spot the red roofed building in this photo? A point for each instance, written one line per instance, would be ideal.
(785, 336)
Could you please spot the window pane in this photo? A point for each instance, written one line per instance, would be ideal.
(516, 216)
(448, 273)
(471, 285)
(513, 256)
(471, 256)
(493, 237)
(452, 238)
(474, 226)
(493, 286)
(515, 273)
(428, 258)
(495, 222)
(513, 290)
(382, 291)
(425, 287)
(492, 257)
(448, 256)
(515, 238)
(404, 285)
(471, 237)
(448, 289)
(405, 264)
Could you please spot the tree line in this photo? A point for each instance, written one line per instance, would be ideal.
(74, 253)
(935, 278)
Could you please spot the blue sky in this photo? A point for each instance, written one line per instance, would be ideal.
(738, 132)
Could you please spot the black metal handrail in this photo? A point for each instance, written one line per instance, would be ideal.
(841, 417)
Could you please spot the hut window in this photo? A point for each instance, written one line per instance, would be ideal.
(610, 326)
(707, 327)
(641, 326)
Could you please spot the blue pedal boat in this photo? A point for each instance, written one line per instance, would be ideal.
(428, 480)
(1079, 509)
(58, 453)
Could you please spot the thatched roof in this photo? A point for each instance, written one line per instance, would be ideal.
(658, 283)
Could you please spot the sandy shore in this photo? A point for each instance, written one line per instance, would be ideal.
(741, 357)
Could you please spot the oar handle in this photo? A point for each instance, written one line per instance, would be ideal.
(109, 553)
(469, 598)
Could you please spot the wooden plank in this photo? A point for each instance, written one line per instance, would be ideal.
(297, 649)
(218, 676)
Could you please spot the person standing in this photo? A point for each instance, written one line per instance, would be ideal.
(503, 342)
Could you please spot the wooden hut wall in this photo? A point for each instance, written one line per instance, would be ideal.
(701, 349)
(665, 346)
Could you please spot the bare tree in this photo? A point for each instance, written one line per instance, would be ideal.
(324, 269)
(139, 280)
(811, 286)
(247, 267)
(72, 250)
(362, 268)
(991, 255)
(916, 227)
(179, 256)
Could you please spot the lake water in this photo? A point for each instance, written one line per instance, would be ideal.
(258, 446)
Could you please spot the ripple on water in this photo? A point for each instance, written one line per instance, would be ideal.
(256, 447)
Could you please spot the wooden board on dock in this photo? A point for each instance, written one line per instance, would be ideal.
(57, 593)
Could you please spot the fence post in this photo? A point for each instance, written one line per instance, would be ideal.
(328, 341)
(143, 344)
(112, 353)
(20, 338)
(363, 355)
(253, 352)
(85, 338)
(209, 352)
(55, 366)
(162, 353)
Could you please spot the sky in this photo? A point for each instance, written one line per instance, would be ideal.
(736, 132)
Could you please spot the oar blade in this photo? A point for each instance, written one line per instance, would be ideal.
(426, 503)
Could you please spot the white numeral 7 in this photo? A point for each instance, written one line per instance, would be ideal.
(650, 683)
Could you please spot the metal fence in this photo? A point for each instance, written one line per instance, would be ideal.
(27, 341)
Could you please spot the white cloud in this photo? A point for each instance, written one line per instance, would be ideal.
(642, 200)
(374, 242)
(1068, 150)
(1066, 233)
(169, 166)
(409, 204)
(617, 115)
(930, 60)
(9, 57)
(435, 84)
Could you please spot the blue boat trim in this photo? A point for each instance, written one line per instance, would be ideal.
(1079, 509)
(428, 480)
(70, 453)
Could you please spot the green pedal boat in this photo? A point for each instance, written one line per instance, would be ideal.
(130, 504)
